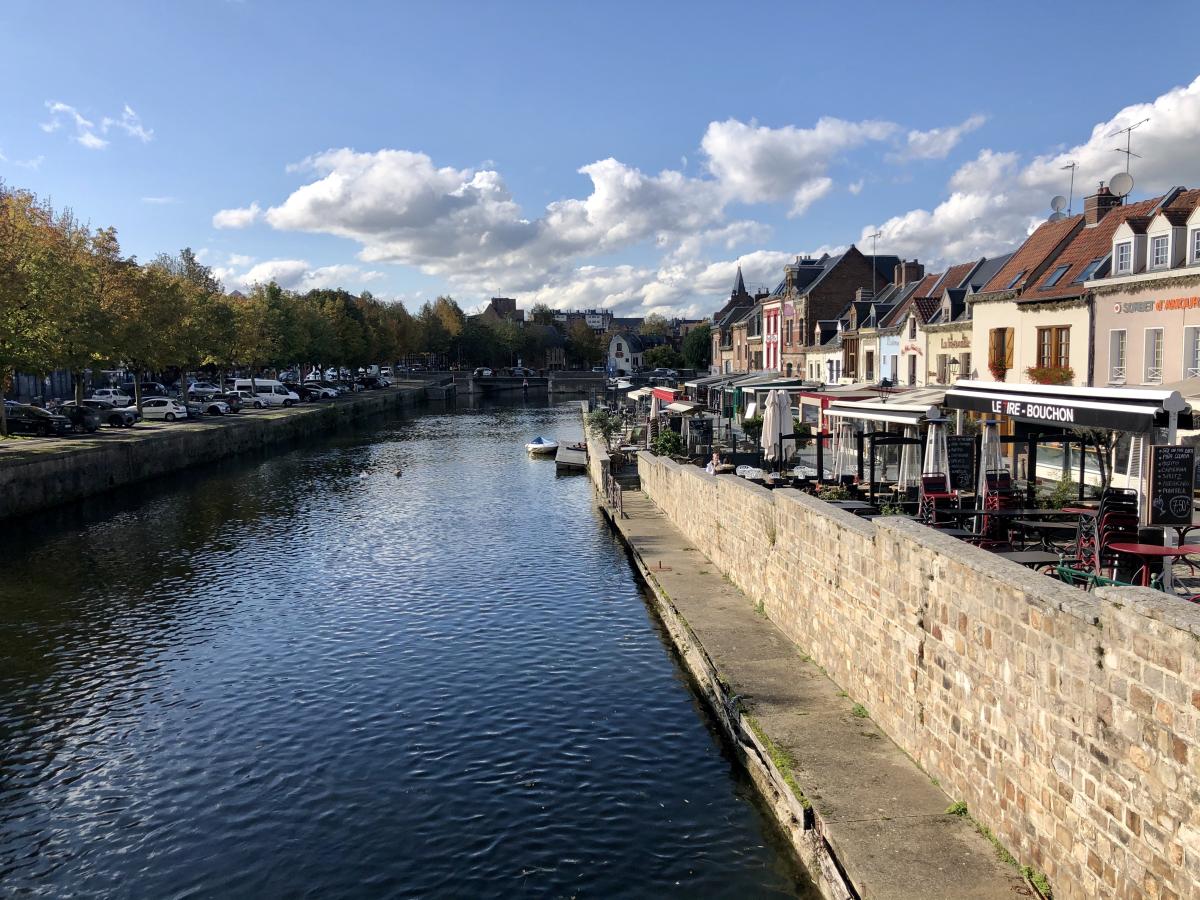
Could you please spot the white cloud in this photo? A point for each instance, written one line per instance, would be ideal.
(160, 201)
(129, 122)
(294, 274)
(237, 218)
(86, 133)
(995, 200)
(33, 164)
(855, 187)
(757, 164)
(938, 142)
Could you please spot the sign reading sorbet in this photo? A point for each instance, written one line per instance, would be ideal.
(1145, 306)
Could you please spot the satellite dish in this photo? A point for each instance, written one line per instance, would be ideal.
(1121, 184)
(1056, 216)
(1058, 203)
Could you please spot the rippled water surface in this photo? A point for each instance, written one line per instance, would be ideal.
(276, 677)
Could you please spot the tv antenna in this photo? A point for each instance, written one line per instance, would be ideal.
(874, 237)
(1070, 194)
(1128, 132)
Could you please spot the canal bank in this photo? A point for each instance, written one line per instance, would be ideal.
(863, 818)
(1062, 721)
(40, 473)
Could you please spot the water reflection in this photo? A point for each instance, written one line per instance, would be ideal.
(277, 677)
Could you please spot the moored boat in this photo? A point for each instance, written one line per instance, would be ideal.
(540, 446)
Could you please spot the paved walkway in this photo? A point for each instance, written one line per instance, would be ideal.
(883, 818)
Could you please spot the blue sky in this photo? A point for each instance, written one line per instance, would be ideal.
(624, 154)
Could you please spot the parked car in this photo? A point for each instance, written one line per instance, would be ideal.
(268, 391)
(308, 393)
(116, 416)
(370, 382)
(148, 389)
(83, 418)
(599, 370)
(208, 406)
(165, 408)
(245, 399)
(25, 419)
(482, 372)
(200, 390)
(115, 396)
(522, 372)
(232, 399)
(385, 371)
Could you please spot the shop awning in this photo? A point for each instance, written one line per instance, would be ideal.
(878, 411)
(639, 393)
(704, 382)
(683, 406)
(1134, 410)
(666, 395)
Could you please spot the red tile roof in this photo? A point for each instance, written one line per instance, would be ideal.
(926, 307)
(956, 275)
(1037, 249)
(1095, 242)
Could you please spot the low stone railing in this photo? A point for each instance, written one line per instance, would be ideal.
(1068, 722)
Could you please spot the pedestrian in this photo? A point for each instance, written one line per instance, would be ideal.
(713, 463)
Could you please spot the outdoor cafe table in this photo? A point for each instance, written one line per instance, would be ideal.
(1048, 530)
(1147, 553)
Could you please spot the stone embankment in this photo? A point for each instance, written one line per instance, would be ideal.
(1064, 725)
(37, 474)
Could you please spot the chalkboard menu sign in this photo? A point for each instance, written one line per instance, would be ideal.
(1172, 480)
(960, 448)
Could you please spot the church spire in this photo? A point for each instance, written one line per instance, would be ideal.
(739, 285)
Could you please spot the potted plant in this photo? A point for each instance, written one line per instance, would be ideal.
(998, 371)
(752, 428)
(1050, 374)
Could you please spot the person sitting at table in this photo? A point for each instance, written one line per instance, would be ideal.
(713, 463)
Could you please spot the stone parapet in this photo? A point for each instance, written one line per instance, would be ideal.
(1068, 722)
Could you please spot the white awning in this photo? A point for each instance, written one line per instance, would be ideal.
(682, 406)
(876, 411)
(639, 393)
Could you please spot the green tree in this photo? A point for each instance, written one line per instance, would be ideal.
(662, 357)
(583, 346)
(654, 324)
(541, 314)
(697, 347)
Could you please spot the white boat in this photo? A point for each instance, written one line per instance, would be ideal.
(541, 445)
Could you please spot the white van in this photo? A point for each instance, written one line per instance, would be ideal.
(267, 392)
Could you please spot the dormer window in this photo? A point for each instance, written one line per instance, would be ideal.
(1160, 251)
(1196, 246)
(1124, 258)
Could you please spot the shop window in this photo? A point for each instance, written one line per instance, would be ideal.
(1116, 356)
(1153, 368)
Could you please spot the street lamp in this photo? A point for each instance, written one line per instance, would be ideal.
(953, 365)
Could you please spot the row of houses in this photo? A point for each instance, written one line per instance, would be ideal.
(1107, 297)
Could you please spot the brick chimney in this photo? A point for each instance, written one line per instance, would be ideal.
(907, 272)
(1096, 207)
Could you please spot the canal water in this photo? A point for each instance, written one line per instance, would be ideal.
(302, 675)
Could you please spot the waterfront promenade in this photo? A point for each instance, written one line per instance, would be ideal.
(851, 800)
(1060, 721)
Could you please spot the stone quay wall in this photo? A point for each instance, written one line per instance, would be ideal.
(54, 471)
(1068, 722)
